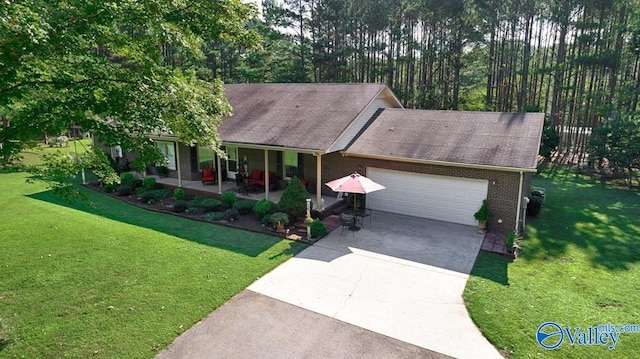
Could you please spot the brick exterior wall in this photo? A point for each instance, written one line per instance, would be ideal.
(502, 192)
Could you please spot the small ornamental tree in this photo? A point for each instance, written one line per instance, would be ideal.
(294, 199)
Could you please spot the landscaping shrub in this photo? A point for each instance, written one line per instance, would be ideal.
(124, 190)
(140, 190)
(210, 204)
(535, 205)
(318, 229)
(264, 208)
(244, 206)
(162, 193)
(213, 216)
(127, 178)
(110, 187)
(196, 201)
(162, 171)
(149, 183)
(294, 199)
(231, 214)
(279, 217)
(180, 206)
(228, 198)
(192, 210)
(179, 194)
(148, 197)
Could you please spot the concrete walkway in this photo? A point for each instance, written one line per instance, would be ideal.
(399, 278)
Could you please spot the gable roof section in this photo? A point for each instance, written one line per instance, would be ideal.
(482, 139)
(299, 116)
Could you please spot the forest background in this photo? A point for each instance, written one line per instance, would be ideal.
(578, 61)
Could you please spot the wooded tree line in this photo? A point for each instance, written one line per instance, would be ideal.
(576, 60)
(149, 66)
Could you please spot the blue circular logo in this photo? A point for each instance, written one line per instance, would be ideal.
(550, 335)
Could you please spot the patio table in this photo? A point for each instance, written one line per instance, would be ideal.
(358, 215)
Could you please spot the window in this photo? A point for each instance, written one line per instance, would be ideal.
(168, 150)
(206, 158)
(290, 164)
(232, 159)
(116, 152)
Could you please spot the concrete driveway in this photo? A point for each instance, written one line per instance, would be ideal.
(392, 289)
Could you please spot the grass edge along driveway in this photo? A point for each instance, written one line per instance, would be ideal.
(113, 280)
(579, 268)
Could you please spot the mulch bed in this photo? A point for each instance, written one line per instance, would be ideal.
(249, 222)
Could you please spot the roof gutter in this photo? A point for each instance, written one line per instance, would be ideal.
(172, 138)
(274, 148)
(440, 163)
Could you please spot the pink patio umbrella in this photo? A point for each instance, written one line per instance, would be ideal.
(354, 183)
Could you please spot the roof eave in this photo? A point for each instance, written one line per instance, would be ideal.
(274, 148)
(440, 163)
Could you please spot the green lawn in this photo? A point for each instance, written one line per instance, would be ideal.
(33, 156)
(579, 267)
(113, 281)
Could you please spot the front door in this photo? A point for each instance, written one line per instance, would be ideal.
(232, 161)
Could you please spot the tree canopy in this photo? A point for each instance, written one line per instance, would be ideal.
(106, 66)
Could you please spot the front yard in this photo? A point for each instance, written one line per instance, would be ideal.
(113, 280)
(579, 267)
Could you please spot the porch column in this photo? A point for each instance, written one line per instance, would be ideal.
(319, 181)
(266, 174)
(178, 167)
(219, 174)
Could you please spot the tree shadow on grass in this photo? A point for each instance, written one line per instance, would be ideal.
(492, 266)
(232, 239)
(603, 222)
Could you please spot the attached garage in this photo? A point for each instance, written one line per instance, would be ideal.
(450, 199)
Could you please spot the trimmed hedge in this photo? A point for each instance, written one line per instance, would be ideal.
(317, 228)
(228, 198)
(180, 206)
(210, 205)
(244, 206)
(264, 208)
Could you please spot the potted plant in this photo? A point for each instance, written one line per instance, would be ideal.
(483, 215)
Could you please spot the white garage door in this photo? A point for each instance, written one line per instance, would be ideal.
(450, 199)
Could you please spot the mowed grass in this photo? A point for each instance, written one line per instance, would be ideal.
(113, 281)
(579, 267)
(33, 156)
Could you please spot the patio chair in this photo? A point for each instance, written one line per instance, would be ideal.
(208, 175)
(347, 221)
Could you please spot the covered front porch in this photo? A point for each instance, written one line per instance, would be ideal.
(327, 202)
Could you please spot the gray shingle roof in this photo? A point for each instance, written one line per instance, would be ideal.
(303, 116)
(477, 138)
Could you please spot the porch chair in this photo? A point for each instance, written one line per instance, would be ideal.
(208, 175)
(257, 177)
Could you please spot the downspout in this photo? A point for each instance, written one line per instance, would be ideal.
(517, 229)
(178, 165)
(320, 205)
(266, 174)
(219, 173)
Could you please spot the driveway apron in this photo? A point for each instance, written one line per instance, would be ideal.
(399, 276)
